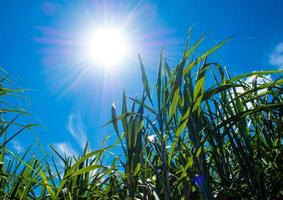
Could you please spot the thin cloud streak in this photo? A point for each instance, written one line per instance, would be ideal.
(17, 146)
(276, 57)
(76, 129)
(65, 148)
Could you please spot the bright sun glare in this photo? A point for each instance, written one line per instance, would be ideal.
(106, 46)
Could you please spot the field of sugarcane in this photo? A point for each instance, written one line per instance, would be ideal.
(199, 133)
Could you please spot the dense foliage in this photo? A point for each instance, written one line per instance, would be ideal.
(198, 134)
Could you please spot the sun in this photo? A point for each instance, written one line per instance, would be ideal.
(106, 46)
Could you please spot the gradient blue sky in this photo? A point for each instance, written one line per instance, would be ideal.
(39, 44)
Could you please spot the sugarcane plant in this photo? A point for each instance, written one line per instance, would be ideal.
(198, 133)
(205, 136)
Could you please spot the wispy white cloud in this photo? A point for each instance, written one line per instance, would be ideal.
(250, 81)
(17, 146)
(276, 57)
(259, 81)
(76, 128)
(65, 148)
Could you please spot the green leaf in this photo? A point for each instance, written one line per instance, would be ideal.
(203, 56)
(173, 106)
(144, 80)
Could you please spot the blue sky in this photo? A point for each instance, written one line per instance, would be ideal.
(39, 45)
